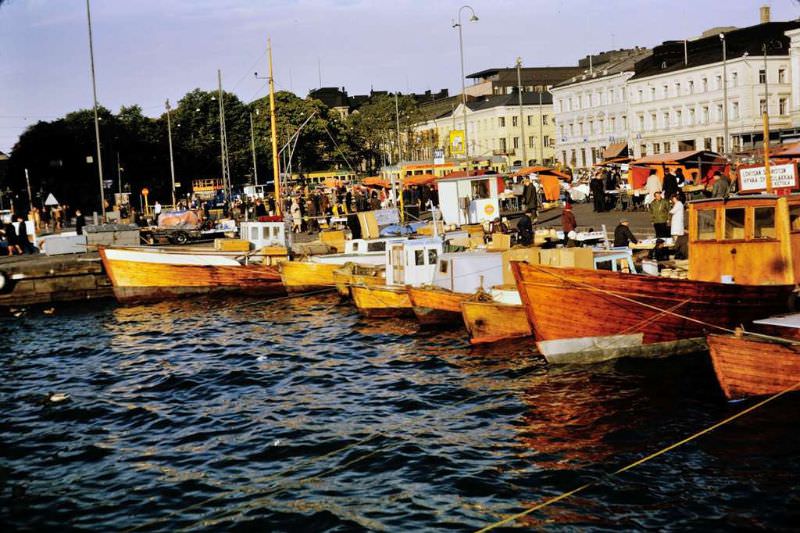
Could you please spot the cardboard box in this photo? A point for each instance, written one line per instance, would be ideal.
(575, 258)
(231, 245)
(550, 257)
(530, 255)
(500, 242)
(334, 239)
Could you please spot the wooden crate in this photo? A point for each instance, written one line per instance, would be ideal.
(231, 245)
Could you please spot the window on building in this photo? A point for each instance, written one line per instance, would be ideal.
(591, 127)
(501, 143)
(705, 115)
(602, 125)
(653, 122)
(677, 89)
(762, 106)
(544, 120)
(707, 143)
(641, 95)
(514, 121)
(666, 147)
(719, 112)
(666, 120)
(704, 82)
(691, 86)
(691, 116)
(580, 128)
(564, 156)
(571, 129)
(561, 131)
(530, 120)
(624, 121)
(734, 223)
(516, 143)
(720, 144)
(679, 117)
(734, 110)
(719, 82)
(781, 75)
(501, 122)
(656, 148)
(762, 76)
(613, 124)
(666, 91)
(643, 149)
(652, 93)
(735, 79)
(622, 95)
(782, 107)
(641, 122)
(764, 219)
(548, 141)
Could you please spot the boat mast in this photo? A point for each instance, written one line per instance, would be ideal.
(276, 171)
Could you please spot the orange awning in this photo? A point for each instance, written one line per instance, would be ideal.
(787, 150)
(616, 150)
(420, 179)
(676, 158)
(377, 181)
(542, 170)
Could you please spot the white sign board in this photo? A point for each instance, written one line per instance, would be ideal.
(438, 157)
(755, 179)
(386, 217)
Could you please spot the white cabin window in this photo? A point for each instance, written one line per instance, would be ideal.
(443, 267)
(419, 257)
(432, 256)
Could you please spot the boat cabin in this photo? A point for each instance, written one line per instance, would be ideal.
(747, 240)
(470, 199)
(263, 234)
(466, 272)
(412, 262)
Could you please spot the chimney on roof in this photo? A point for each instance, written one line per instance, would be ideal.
(764, 10)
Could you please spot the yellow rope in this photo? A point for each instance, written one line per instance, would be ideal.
(643, 460)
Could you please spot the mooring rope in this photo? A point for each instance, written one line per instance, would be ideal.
(641, 461)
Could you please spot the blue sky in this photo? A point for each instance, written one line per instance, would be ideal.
(150, 50)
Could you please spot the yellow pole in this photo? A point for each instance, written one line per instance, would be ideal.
(767, 170)
(276, 171)
(402, 206)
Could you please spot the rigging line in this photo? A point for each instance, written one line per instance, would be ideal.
(631, 300)
(641, 461)
(338, 149)
(647, 321)
(255, 63)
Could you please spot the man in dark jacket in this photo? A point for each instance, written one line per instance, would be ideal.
(598, 190)
(670, 185)
(525, 229)
(623, 235)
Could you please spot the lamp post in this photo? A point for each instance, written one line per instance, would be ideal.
(724, 93)
(473, 18)
(521, 114)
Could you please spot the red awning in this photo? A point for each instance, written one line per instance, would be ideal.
(376, 181)
(420, 179)
(787, 150)
(542, 170)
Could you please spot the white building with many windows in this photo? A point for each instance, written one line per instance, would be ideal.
(592, 108)
(496, 126)
(676, 98)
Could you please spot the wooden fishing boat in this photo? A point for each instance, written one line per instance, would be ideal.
(750, 366)
(354, 274)
(147, 274)
(434, 306)
(381, 301)
(456, 278)
(584, 315)
(307, 276)
(409, 263)
(495, 316)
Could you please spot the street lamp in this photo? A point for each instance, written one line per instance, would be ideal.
(473, 18)
(724, 93)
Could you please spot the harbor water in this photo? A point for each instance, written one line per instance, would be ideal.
(299, 415)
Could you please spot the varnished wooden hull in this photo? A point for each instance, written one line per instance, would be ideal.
(307, 276)
(344, 279)
(492, 322)
(436, 307)
(753, 367)
(381, 301)
(583, 315)
(141, 280)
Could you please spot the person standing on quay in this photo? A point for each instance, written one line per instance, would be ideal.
(623, 235)
(525, 228)
(659, 214)
(598, 190)
(721, 186)
(676, 214)
(568, 222)
(670, 184)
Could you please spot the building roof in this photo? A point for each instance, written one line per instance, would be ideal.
(526, 73)
(669, 56)
(510, 100)
(618, 63)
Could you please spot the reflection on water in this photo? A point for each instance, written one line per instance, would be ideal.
(298, 414)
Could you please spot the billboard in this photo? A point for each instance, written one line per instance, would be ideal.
(457, 142)
(755, 178)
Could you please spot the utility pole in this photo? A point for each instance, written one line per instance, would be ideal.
(253, 149)
(119, 175)
(171, 160)
(541, 125)
(276, 170)
(223, 141)
(765, 116)
(521, 114)
(724, 93)
(96, 121)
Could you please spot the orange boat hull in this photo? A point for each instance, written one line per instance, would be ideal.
(750, 367)
(627, 314)
(492, 322)
(346, 280)
(381, 301)
(436, 307)
(135, 281)
(305, 276)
